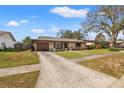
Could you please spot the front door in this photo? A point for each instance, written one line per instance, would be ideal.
(65, 45)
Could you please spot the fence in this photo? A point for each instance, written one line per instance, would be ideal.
(22, 47)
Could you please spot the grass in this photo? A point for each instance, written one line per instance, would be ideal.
(96, 51)
(69, 54)
(26, 80)
(12, 59)
(112, 65)
(82, 53)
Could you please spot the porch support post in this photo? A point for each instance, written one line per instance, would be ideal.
(54, 45)
(63, 45)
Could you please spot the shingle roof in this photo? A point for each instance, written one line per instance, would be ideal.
(5, 32)
(58, 39)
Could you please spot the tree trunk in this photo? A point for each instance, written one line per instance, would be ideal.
(114, 42)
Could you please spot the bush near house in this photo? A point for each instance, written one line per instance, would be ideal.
(103, 44)
(9, 50)
(93, 46)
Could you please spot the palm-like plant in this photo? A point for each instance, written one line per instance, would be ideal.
(27, 41)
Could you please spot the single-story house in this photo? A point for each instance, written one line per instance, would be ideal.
(6, 40)
(52, 43)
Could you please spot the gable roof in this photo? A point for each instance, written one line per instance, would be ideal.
(5, 32)
(58, 39)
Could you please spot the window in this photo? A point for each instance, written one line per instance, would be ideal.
(3, 45)
(78, 44)
(58, 45)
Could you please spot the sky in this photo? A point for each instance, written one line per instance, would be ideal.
(42, 20)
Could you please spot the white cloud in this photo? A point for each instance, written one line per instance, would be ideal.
(37, 30)
(23, 21)
(54, 29)
(33, 16)
(70, 13)
(13, 23)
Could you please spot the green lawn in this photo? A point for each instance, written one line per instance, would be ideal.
(12, 59)
(95, 51)
(82, 53)
(27, 80)
(69, 54)
(112, 65)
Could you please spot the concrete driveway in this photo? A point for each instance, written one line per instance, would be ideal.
(58, 72)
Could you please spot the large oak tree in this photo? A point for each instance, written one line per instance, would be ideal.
(106, 19)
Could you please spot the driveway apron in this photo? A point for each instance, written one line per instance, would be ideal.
(58, 72)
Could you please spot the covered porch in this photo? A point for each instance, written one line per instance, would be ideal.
(61, 45)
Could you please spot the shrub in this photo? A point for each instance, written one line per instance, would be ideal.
(103, 44)
(10, 50)
(1, 49)
(93, 46)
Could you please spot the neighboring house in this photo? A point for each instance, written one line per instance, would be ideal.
(52, 43)
(120, 44)
(6, 40)
(98, 44)
(89, 42)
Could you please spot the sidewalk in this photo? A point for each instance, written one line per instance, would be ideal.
(91, 57)
(19, 70)
(119, 83)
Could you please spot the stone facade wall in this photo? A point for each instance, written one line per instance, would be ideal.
(83, 45)
(51, 45)
(35, 46)
(71, 45)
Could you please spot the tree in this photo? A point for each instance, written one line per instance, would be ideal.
(106, 19)
(78, 35)
(18, 42)
(65, 34)
(100, 37)
(71, 34)
(27, 40)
